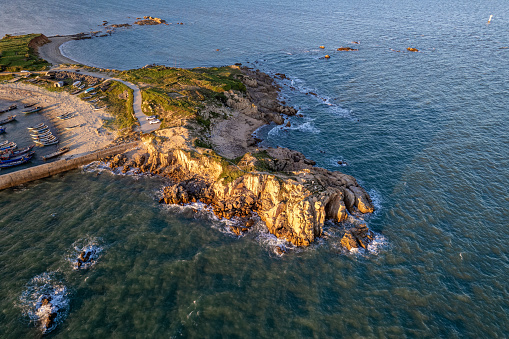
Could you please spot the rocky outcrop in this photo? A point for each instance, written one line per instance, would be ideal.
(148, 20)
(356, 237)
(281, 186)
(346, 49)
(38, 41)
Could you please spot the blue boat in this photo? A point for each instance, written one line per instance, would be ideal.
(8, 146)
(16, 163)
(2, 129)
(17, 158)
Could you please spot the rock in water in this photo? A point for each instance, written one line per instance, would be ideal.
(359, 236)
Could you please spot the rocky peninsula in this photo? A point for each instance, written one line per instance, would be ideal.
(214, 159)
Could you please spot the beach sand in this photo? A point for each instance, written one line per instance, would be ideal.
(88, 137)
(51, 51)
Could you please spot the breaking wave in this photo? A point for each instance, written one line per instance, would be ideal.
(45, 297)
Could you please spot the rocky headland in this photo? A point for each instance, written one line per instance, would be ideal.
(222, 166)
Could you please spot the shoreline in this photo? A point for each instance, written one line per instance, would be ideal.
(52, 53)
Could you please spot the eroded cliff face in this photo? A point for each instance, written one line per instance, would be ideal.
(291, 196)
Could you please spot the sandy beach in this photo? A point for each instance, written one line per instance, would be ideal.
(51, 51)
(87, 136)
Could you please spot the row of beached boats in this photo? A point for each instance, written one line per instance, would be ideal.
(32, 110)
(10, 157)
(42, 135)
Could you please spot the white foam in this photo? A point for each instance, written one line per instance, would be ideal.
(103, 167)
(87, 245)
(43, 286)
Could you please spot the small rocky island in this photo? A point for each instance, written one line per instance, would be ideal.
(210, 155)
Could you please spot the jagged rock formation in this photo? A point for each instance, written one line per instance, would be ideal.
(291, 196)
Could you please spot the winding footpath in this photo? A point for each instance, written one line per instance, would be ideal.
(51, 53)
(145, 126)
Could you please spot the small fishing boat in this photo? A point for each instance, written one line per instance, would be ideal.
(46, 136)
(9, 119)
(10, 153)
(8, 146)
(16, 158)
(76, 92)
(30, 105)
(36, 109)
(44, 143)
(66, 116)
(37, 126)
(4, 142)
(40, 130)
(10, 108)
(56, 153)
(16, 163)
(41, 133)
(2, 129)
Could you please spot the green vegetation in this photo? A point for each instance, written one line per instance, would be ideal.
(174, 93)
(230, 172)
(5, 77)
(119, 99)
(202, 143)
(263, 161)
(16, 54)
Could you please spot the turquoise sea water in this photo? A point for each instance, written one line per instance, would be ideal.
(425, 133)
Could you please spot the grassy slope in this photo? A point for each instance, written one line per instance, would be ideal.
(15, 55)
(175, 93)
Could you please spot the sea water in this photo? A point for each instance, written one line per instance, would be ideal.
(425, 133)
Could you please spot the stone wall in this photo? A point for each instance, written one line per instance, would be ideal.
(47, 170)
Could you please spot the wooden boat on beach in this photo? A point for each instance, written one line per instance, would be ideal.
(40, 137)
(9, 119)
(16, 163)
(10, 108)
(46, 143)
(66, 116)
(36, 109)
(40, 133)
(56, 153)
(37, 126)
(43, 137)
(30, 105)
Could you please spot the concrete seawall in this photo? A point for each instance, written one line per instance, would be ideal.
(47, 170)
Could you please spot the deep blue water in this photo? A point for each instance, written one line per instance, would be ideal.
(425, 133)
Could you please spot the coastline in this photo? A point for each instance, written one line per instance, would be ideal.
(214, 157)
(51, 51)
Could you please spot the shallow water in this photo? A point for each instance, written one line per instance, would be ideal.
(425, 133)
